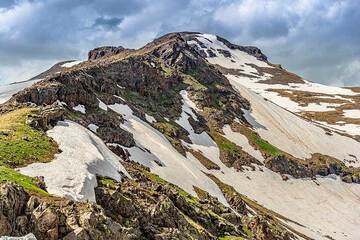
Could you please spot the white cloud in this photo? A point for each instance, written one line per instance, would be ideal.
(12, 17)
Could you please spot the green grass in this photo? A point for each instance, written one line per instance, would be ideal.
(20, 144)
(28, 183)
(231, 238)
(256, 140)
(247, 231)
(225, 145)
(189, 80)
(264, 145)
(154, 178)
(107, 182)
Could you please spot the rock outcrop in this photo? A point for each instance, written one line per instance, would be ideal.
(106, 51)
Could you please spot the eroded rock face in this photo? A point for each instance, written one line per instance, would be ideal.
(316, 165)
(53, 219)
(13, 200)
(106, 51)
(254, 51)
(47, 117)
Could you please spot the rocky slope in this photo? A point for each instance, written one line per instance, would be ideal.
(197, 152)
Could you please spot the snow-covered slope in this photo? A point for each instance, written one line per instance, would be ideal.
(73, 172)
(293, 134)
(319, 207)
(6, 91)
(282, 128)
(314, 205)
(164, 159)
(312, 97)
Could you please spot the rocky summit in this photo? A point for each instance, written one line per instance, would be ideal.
(188, 137)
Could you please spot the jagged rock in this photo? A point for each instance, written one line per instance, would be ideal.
(5, 227)
(47, 117)
(254, 51)
(263, 230)
(124, 154)
(77, 234)
(13, 201)
(116, 135)
(106, 51)
(225, 53)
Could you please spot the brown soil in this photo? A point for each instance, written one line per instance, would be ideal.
(279, 75)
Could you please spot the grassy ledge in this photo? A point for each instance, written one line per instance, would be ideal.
(264, 145)
(28, 183)
(20, 144)
(256, 141)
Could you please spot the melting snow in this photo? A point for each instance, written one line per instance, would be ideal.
(71, 64)
(353, 113)
(188, 109)
(80, 108)
(93, 127)
(241, 60)
(312, 205)
(83, 156)
(177, 169)
(238, 59)
(149, 118)
(29, 236)
(329, 207)
(6, 91)
(102, 105)
(293, 134)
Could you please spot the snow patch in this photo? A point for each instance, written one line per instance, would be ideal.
(293, 134)
(7, 91)
(93, 127)
(80, 108)
(177, 169)
(238, 59)
(73, 172)
(149, 118)
(352, 113)
(29, 236)
(71, 64)
(102, 105)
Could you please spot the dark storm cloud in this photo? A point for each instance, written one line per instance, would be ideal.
(6, 3)
(315, 38)
(110, 23)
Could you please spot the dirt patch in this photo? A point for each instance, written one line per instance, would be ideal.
(335, 115)
(354, 89)
(279, 75)
(304, 98)
(233, 71)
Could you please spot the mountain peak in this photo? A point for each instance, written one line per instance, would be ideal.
(238, 146)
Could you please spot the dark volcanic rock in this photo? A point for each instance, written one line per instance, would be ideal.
(106, 51)
(254, 51)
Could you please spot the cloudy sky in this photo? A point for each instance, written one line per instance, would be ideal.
(318, 39)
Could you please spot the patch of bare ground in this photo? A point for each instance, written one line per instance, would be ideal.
(278, 75)
(233, 71)
(335, 115)
(304, 98)
(210, 165)
(354, 89)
